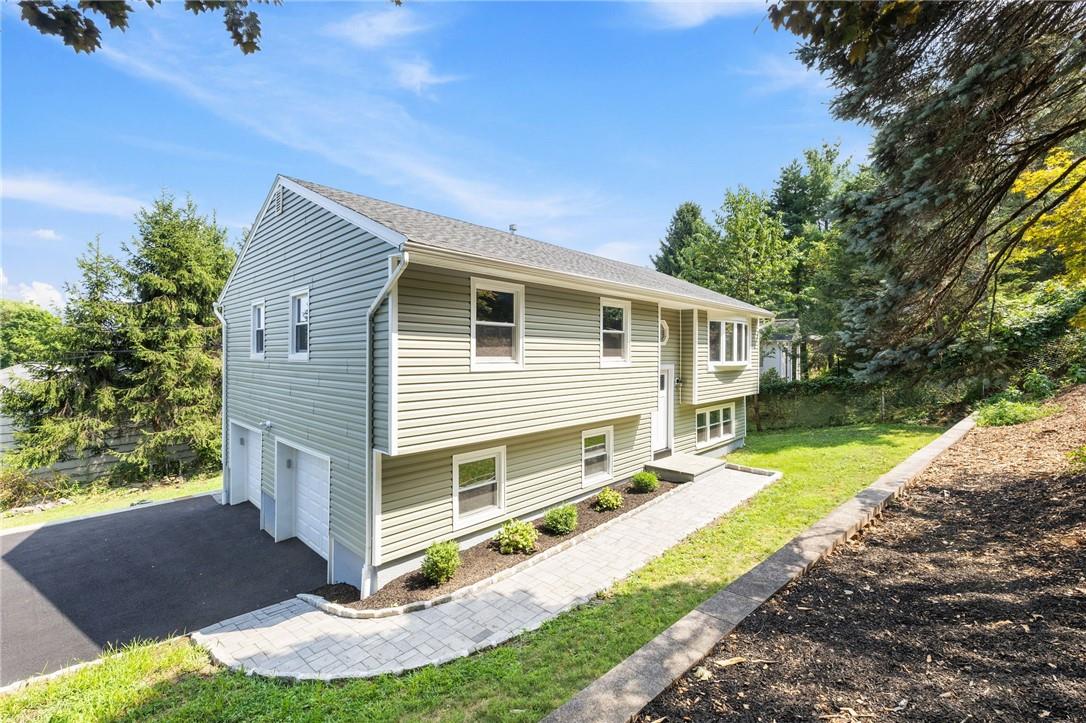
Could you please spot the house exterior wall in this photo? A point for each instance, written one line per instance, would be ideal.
(542, 470)
(687, 354)
(685, 430)
(442, 403)
(724, 383)
(319, 403)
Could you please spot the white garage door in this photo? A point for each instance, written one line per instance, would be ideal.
(252, 468)
(311, 498)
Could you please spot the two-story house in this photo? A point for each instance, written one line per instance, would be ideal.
(393, 377)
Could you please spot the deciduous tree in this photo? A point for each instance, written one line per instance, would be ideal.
(27, 332)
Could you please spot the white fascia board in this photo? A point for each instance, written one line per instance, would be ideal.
(429, 255)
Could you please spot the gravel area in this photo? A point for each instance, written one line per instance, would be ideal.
(483, 560)
(965, 602)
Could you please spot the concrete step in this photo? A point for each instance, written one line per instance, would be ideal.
(684, 467)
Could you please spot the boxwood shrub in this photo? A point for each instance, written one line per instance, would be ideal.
(608, 499)
(644, 482)
(561, 520)
(517, 536)
(441, 562)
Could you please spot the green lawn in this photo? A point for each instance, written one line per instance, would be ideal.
(536, 672)
(114, 498)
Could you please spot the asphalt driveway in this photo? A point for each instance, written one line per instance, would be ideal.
(67, 591)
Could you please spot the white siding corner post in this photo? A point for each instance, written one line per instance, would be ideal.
(224, 439)
(372, 499)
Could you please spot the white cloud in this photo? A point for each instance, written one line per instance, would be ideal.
(44, 295)
(776, 74)
(68, 195)
(417, 75)
(46, 234)
(629, 251)
(378, 28)
(347, 120)
(684, 15)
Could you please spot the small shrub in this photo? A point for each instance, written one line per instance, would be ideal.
(608, 499)
(1076, 374)
(1077, 458)
(441, 562)
(561, 520)
(644, 482)
(1003, 412)
(1037, 385)
(517, 536)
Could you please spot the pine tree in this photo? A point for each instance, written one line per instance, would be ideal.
(686, 224)
(69, 407)
(176, 267)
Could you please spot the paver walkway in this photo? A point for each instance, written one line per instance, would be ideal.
(292, 639)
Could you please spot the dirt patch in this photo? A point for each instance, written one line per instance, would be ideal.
(483, 560)
(966, 601)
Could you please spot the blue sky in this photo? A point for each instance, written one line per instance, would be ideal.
(584, 124)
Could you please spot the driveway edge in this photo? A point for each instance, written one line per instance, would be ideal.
(106, 513)
(624, 690)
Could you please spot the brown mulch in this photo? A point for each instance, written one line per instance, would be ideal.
(483, 560)
(966, 601)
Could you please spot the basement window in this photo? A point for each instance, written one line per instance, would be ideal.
(715, 425)
(478, 486)
(497, 324)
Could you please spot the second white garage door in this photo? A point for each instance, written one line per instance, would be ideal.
(311, 501)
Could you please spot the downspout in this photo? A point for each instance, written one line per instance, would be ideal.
(371, 524)
(225, 452)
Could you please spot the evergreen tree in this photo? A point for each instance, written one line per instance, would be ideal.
(175, 269)
(965, 98)
(748, 255)
(686, 224)
(69, 407)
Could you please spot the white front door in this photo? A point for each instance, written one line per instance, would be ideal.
(311, 500)
(662, 420)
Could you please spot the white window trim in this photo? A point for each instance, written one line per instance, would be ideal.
(517, 290)
(291, 354)
(627, 331)
(667, 332)
(598, 480)
(713, 441)
(721, 364)
(253, 353)
(499, 470)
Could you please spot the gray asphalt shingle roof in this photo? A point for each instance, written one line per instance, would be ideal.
(451, 234)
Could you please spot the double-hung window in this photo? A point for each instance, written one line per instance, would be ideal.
(497, 324)
(299, 325)
(729, 342)
(478, 486)
(715, 425)
(256, 326)
(614, 332)
(596, 456)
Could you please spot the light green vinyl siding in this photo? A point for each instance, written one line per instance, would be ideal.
(381, 376)
(443, 403)
(541, 470)
(320, 403)
(669, 352)
(723, 383)
(687, 347)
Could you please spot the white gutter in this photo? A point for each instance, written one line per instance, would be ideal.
(404, 258)
(217, 308)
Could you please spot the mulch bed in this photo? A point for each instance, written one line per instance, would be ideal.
(966, 601)
(483, 560)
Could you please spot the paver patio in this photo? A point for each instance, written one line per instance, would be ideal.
(292, 639)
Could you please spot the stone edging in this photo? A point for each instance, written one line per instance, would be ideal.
(625, 689)
(343, 611)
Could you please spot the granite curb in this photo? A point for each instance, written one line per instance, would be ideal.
(625, 689)
(344, 611)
